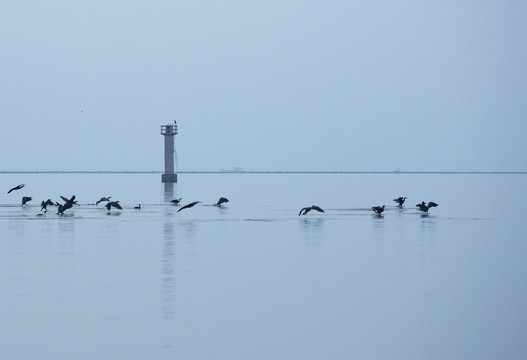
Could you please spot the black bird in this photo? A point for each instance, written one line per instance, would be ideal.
(138, 207)
(189, 205)
(67, 205)
(44, 204)
(18, 187)
(221, 201)
(73, 202)
(114, 204)
(103, 199)
(308, 209)
(400, 201)
(424, 207)
(378, 209)
(175, 201)
(25, 200)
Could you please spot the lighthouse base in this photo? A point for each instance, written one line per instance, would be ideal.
(169, 178)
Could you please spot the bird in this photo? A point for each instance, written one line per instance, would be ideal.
(138, 207)
(189, 205)
(103, 199)
(114, 204)
(44, 204)
(378, 209)
(67, 205)
(308, 209)
(400, 201)
(221, 201)
(25, 200)
(18, 187)
(72, 200)
(425, 207)
(175, 201)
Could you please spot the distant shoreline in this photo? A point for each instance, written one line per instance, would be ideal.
(265, 172)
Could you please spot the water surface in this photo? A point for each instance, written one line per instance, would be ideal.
(253, 280)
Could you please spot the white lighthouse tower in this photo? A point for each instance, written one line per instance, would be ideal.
(169, 131)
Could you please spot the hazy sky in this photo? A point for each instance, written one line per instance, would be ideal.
(268, 85)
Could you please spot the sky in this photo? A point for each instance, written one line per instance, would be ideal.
(264, 85)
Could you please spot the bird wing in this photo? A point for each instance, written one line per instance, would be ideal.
(116, 204)
(184, 207)
(64, 198)
(188, 206)
(432, 204)
(305, 210)
(314, 207)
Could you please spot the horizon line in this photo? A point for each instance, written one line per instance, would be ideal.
(258, 172)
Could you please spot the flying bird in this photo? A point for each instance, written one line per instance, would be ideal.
(400, 201)
(44, 204)
(221, 201)
(425, 207)
(308, 209)
(72, 200)
(175, 201)
(378, 209)
(25, 200)
(103, 199)
(114, 204)
(18, 187)
(189, 205)
(138, 207)
(67, 205)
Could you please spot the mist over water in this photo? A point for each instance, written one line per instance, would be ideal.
(253, 280)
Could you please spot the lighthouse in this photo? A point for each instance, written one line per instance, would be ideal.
(169, 132)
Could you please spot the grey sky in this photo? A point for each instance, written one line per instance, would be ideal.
(270, 85)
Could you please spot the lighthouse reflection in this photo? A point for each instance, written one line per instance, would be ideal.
(169, 191)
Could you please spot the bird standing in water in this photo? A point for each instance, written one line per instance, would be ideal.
(378, 209)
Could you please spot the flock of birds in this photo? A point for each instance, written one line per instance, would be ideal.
(68, 203)
(379, 209)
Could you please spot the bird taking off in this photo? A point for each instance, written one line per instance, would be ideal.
(114, 204)
(67, 205)
(189, 205)
(18, 187)
(378, 209)
(425, 207)
(308, 209)
(25, 200)
(44, 204)
(221, 201)
(400, 201)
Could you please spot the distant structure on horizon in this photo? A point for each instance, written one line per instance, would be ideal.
(169, 131)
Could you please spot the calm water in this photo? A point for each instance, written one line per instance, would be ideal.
(253, 280)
